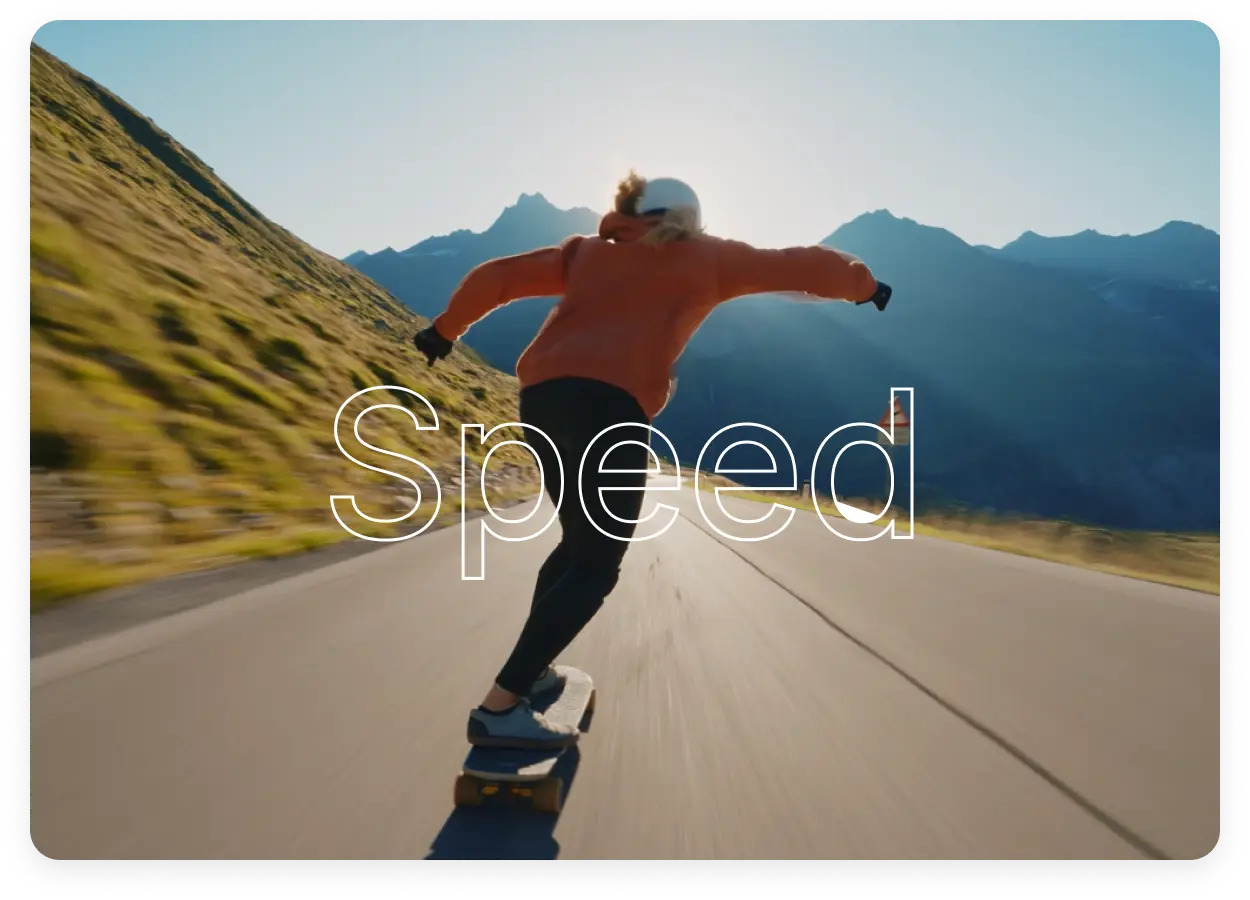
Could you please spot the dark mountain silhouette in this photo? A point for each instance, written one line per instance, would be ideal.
(1039, 388)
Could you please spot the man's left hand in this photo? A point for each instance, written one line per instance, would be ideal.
(432, 345)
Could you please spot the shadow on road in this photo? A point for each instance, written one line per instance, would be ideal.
(512, 830)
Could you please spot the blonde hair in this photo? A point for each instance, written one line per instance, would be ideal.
(674, 225)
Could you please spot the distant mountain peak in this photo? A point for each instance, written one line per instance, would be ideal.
(533, 200)
(534, 213)
(883, 226)
(884, 218)
(1177, 226)
(530, 206)
(527, 206)
(532, 221)
(1173, 228)
(1177, 253)
(882, 213)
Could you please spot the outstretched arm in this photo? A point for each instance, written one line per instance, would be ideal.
(539, 273)
(817, 271)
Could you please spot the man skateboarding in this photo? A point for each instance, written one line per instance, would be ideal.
(631, 297)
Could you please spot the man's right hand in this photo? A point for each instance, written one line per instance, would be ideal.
(881, 297)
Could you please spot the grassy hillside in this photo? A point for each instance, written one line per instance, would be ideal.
(188, 357)
(1183, 560)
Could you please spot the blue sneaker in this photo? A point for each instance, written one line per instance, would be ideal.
(550, 680)
(519, 728)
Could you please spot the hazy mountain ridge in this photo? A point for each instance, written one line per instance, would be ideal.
(1175, 255)
(1169, 277)
(1015, 363)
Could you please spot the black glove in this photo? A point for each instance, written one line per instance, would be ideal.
(432, 344)
(881, 297)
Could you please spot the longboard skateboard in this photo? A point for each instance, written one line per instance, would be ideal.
(497, 773)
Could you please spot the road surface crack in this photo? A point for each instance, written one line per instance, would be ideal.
(1139, 843)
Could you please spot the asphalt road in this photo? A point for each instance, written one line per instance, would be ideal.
(800, 697)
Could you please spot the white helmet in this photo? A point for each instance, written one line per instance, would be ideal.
(663, 194)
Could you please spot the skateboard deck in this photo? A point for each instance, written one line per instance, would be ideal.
(492, 773)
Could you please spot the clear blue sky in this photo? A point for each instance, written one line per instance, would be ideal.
(363, 135)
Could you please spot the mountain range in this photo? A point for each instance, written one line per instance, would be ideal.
(1073, 377)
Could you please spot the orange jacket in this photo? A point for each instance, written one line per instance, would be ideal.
(627, 308)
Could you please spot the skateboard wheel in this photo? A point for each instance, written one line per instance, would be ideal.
(467, 791)
(546, 797)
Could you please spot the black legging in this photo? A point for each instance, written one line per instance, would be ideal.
(583, 568)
